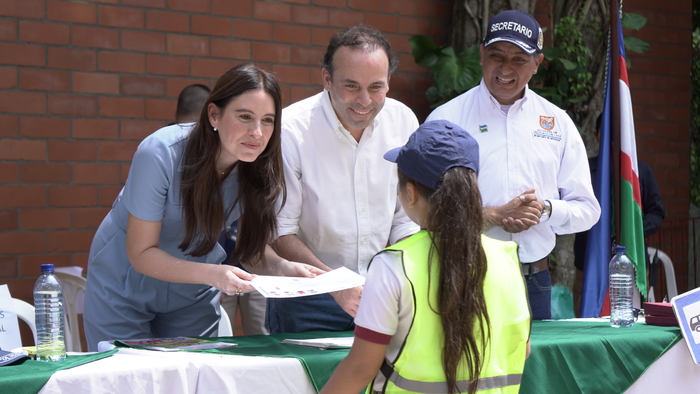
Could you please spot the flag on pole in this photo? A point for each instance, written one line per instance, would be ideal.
(599, 246)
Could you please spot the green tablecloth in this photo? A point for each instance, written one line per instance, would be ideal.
(591, 357)
(29, 376)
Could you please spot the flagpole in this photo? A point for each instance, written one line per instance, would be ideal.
(615, 109)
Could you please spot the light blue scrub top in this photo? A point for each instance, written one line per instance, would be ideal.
(121, 303)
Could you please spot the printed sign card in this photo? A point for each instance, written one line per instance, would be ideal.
(9, 327)
(687, 309)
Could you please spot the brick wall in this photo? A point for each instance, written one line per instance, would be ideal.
(82, 82)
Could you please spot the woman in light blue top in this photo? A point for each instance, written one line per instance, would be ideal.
(154, 268)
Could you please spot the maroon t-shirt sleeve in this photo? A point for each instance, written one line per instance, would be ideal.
(372, 336)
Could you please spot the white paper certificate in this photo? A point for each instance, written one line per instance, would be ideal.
(287, 287)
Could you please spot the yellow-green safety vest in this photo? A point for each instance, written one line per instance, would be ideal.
(418, 366)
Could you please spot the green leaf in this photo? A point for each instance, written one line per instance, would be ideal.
(568, 64)
(563, 87)
(634, 44)
(424, 50)
(633, 21)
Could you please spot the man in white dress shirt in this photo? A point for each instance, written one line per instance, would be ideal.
(342, 204)
(534, 178)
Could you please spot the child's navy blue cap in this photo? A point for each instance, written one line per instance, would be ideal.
(515, 27)
(433, 149)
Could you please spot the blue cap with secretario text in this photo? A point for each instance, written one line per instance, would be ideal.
(516, 27)
(434, 148)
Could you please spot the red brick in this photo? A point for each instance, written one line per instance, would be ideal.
(94, 37)
(22, 196)
(252, 30)
(160, 109)
(60, 150)
(69, 241)
(95, 128)
(44, 173)
(401, 7)
(211, 26)
(9, 219)
(408, 25)
(230, 49)
(8, 126)
(88, 217)
(210, 68)
(168, 21)
(125, 175)
(296, 1)
(138, 129)
(23, 54)
(44, 127)
(95, 83)
(123, 107)
(23, 102)
(122, 62)
(331, 3)
(310, 15)
(273, 53)
(307, 56)
(142, 86)
(8, 77)
(44, 33)
(145, 3)
(365, 5)
(175, 85)
(302, 92)
(42, 219)
(107, 194)
(143, 42)
(97, 174)
(8, 173)
(402, 81)
(187, 45)
(72, 12)
(399, 44)
(385, 23)
(72, 59)
(8, 30)
(292, 34)
(238, 8)
(117, 151)
(22, 9)
(341, 18)
(167, 65)
(9, 268)
(68, 104)
(34, 79)
(72, 196)
(31, 264)
(121, 17)
(272, 12)
(292, 74)
(201, 6)
(22, 242)
(432, 9)
(321, 36)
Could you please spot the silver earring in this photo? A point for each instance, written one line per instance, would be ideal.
(215, 130)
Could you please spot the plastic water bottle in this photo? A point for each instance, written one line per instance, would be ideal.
(621, 289)
(49, 317)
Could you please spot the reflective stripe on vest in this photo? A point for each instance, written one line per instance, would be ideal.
(418, 367)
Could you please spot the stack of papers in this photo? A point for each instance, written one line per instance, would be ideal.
(286, 287)
(323, 343)
(172, 344)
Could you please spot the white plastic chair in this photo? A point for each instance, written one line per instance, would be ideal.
(25, 311)
(73, 296)
(669, 273)
(225, 329)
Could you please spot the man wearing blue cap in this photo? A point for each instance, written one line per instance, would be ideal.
(534, 178)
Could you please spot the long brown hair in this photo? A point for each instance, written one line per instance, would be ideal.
(455, 221)
(260, 181)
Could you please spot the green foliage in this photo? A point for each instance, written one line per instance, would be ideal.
(453, 74)
(634, 22)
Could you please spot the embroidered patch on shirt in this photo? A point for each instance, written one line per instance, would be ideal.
(553, 135)
(483, 128)
(547, 122)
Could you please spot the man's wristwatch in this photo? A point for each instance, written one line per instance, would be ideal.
(547, 210)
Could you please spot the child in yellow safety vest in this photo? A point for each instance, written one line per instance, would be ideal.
(445, 310)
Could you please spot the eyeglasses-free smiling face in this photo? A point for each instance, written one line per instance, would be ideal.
(245, 126)
(358, 86)
(507, 69)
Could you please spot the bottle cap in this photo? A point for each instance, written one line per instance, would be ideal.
(47, 268)
(620, 249)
